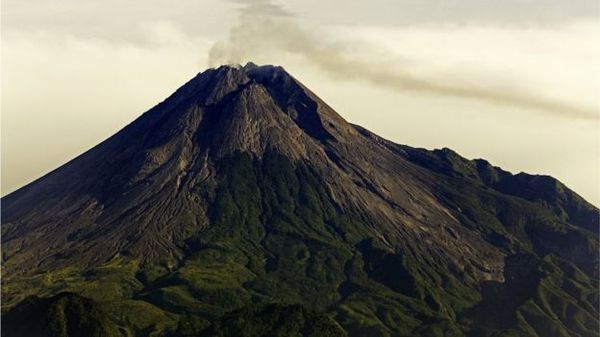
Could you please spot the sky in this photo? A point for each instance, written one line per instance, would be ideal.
(516, 82)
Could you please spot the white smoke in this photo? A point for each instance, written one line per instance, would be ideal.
(267, 31)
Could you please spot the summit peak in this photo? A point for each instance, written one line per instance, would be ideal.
(249, 67)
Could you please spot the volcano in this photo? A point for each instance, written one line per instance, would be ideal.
(243, 205)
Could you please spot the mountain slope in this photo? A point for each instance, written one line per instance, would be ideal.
(244, 188)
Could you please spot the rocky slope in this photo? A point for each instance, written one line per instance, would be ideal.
(244, 189)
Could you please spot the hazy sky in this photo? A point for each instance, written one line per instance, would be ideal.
(514, 82)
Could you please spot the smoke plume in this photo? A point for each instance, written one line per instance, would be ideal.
(265, 30)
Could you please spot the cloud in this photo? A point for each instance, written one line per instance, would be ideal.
(74, 72)
(484, 12)
(61, 95)
(260, 34)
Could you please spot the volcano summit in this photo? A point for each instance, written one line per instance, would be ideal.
(243, 205)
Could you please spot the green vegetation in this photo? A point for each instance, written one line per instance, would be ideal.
(64, 315)
(274, 321)
(279, 259)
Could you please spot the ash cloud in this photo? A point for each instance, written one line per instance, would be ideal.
(265, 30)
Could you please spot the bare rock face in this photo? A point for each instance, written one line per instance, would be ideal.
(136, 187)
(151, 190)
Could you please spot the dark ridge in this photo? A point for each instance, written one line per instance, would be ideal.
(291, 98)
